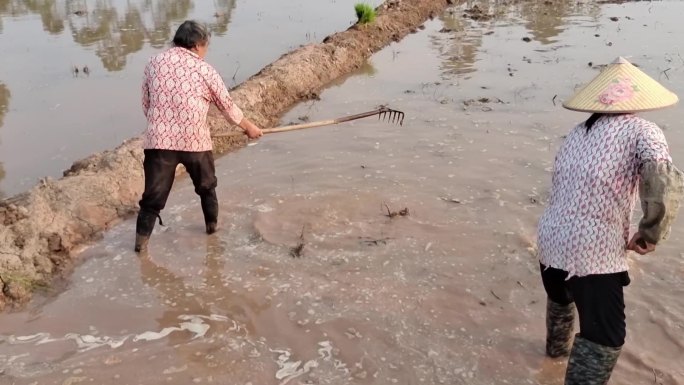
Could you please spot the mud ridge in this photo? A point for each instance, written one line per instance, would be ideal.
(41, 229)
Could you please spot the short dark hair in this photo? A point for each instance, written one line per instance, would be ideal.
(191, 34)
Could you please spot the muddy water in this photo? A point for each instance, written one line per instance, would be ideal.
(58, 116)
(447, 294)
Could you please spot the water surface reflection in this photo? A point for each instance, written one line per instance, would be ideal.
(75, 116)
(449, 294)
(114, 28)
(466, 25)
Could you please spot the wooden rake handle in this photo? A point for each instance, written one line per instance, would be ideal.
(394, 116)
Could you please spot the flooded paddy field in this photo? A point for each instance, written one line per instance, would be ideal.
(51, 116)
(447, 294)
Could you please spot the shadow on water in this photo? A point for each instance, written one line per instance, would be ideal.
(171, 288)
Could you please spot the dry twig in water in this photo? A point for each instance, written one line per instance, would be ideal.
(296, 251)
(391, 214)
(665, 73)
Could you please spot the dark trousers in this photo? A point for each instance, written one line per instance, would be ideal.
(160, 169)
(599, 300)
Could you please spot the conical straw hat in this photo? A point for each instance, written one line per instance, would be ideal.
(621, 88)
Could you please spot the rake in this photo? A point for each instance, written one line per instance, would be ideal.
(383, 113)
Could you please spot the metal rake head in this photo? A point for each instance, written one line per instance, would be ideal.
(390, 115)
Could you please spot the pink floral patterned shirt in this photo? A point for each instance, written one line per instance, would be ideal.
(585, 228)
(178, 88)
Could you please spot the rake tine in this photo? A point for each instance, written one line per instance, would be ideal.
(389, 115)
(397, 117)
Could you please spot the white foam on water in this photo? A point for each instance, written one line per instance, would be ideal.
(152, 336)
(88, 342)
(193, 323)
(289, 370)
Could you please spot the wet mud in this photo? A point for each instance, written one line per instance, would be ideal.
(315, 277)
(43, 226)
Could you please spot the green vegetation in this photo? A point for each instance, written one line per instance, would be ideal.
(23, 281)
(365, 13)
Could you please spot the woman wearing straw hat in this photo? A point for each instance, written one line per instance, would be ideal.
(583, 235)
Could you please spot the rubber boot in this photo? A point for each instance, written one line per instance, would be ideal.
(210, 209)
(559, 324)
(590, 363)
(143, 230)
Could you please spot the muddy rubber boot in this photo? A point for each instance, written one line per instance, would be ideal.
(141, 243)
(143, 230)
(590, 363)
(560, 321)
(210, 209)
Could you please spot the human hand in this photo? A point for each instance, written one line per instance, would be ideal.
(253, 132)
(250, 129)
(639, 245)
